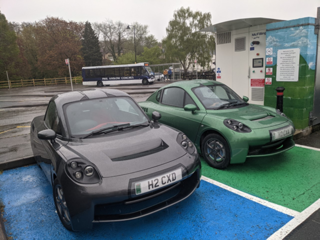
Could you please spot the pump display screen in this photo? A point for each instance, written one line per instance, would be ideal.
(257, 62)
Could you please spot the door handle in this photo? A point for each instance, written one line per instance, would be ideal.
(249, 72)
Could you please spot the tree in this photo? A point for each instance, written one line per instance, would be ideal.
(28, 46)
(57, 40)
(127, 58)
(137, 36)
(90, 47)
(114, 36)
(151, 55)
(8, 48)
(150, 41)
(184, 42)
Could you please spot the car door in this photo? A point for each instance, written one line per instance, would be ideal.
(171, 107)
(51, 158)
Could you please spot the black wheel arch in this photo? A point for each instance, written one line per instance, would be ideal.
(53, 177)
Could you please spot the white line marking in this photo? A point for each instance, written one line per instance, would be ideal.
(274, 206)
(295, 222)
(312, 148)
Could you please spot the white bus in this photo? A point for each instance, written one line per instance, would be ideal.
(117, 74)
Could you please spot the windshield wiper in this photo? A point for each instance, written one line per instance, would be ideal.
(114, 128)
(240, 103)
(225, 105)
(145, 124)
(231, 104)
(107, 129)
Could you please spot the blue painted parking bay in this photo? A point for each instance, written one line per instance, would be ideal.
(210, 213)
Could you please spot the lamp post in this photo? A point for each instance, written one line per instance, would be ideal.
(134, 42)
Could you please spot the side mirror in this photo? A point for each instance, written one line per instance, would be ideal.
(246, 99)
(190, 107)
(47, 134)
(156, 116)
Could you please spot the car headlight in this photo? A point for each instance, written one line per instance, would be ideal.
(83, 172)
(185, 142)
(280, 113)
(236, 126)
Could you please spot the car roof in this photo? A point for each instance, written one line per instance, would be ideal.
(193, 83)
(75, 96)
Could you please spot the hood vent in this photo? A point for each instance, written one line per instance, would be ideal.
(262, 119)
(154, 150)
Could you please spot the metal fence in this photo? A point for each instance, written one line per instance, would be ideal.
(179, 74)
(39, 82)
(198, 75)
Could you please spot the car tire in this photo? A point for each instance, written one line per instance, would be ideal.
(99, 84)
(61, 205)
(215, 151)
(145, 81)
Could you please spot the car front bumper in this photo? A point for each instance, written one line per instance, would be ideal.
(272, 148)
(256, 144)
(114, 199)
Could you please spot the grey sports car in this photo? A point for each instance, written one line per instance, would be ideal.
(107, 161)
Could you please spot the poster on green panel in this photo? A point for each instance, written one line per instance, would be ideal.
(290, 63)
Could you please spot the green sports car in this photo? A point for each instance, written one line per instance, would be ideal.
(225, 128)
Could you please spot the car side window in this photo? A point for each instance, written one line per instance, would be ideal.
(158, 96)
(188, 100)
(173, 97)
(52, 119)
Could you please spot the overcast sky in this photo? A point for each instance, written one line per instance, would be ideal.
(154, 13)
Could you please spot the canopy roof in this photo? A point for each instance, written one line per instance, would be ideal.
(238, 24)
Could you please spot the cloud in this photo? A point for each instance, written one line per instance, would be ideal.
(272, 41)
(299, 33)
(311, 65)
(299, 43)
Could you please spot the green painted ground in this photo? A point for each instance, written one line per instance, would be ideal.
(290, 179)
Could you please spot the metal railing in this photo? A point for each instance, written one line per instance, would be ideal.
(198, 75)
(39, 82)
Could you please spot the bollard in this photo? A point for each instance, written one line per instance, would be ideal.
(280, 91)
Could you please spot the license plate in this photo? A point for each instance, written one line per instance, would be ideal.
(158, 182)
(281, 133)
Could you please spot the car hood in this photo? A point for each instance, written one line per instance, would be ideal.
(254, 116)
(128, 151)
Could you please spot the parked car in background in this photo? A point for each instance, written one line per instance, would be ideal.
(158, 76)
(106, 160)
(224, 127)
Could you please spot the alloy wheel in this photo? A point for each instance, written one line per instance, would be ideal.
(62, 205)
(215, 150)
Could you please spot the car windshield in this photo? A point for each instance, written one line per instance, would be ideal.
(85, 117)
(218, 97)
